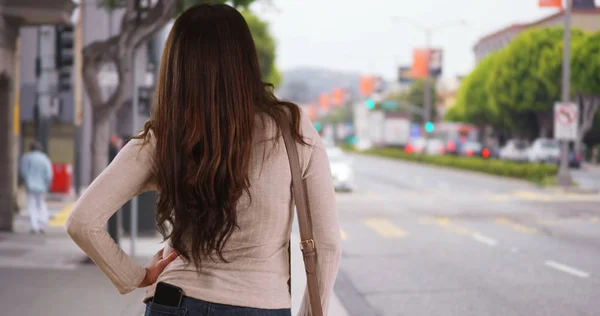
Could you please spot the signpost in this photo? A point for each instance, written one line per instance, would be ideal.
(566, 117)
(564, 176)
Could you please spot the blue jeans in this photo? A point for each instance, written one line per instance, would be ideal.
(194, 307)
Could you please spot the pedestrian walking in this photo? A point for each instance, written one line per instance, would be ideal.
(36, 171)
(229, 161)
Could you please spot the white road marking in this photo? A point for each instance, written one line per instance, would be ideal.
(565, 268)
(485, 240)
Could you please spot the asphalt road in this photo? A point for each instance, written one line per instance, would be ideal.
(420, 240)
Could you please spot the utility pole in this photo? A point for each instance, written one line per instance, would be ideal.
(78, 96)
(564, 175)
(44, 68)
(427, 86)
(134, 130)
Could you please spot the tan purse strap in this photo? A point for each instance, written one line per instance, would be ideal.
(307, 243)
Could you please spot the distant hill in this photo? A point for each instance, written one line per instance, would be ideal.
(304, 84)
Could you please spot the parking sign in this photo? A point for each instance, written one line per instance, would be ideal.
(566, 119)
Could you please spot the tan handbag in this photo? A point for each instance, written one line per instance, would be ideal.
(307, 243)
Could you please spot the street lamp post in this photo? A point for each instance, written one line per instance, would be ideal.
(564, 176)
(427, 98)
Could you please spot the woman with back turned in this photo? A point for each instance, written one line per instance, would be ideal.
(214, 150)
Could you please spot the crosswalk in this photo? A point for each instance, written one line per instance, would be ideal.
(541, 196)
(389, 229)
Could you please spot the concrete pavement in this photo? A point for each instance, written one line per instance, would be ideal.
(44, 274)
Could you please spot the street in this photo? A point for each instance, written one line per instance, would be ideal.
(420, 240)
(417, 240)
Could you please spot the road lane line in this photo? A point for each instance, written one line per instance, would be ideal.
(565, 268)
(60, 218)
(496, 197)
(533, 196)
(343, 234)
(485, 240)
(385, 228)
(516, 226)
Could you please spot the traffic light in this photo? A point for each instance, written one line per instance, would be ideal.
(318, 126)
(429, 127)
(370, 103)
(64, 55)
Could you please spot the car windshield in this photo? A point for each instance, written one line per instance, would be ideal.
(549, 144)
(419, 142)
(520, 144)
(473, 145)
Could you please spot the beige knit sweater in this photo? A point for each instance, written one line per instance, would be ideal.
(257, 272)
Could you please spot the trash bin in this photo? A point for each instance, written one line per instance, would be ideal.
(62, 178)
(146, 220)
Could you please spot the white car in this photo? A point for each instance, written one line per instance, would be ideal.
(435, 147)
(515, 150)
(544, 150)
(341, 169)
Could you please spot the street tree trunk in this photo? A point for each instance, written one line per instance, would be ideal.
(588, 106)
(544, 123)
(119, 49)
(8, 164)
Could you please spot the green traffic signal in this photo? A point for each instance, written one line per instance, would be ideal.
(429, 127)
(318, 126)
(370, 103)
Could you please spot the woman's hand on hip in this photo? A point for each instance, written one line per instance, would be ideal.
(156, 267)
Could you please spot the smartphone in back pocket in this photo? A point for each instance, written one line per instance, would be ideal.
(167, 294)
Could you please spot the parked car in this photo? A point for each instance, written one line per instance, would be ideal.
(454, 146)
(515, 150)
(576, 159)
(471, 149)
(435, 147)
(341, 169)
(416, 146)
(544, 150)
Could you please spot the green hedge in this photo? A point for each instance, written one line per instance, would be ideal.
(537, 173)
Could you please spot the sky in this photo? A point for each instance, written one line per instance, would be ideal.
(362, 35)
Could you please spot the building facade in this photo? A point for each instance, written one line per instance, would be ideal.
(585, 19)
(15, 14)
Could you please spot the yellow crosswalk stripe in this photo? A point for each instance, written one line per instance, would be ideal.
(516, 226)
(385, 228)
(60, 218)
(532, 196)
(343, 234)
(446, 224)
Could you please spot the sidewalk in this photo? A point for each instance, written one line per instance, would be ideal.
(44, 275)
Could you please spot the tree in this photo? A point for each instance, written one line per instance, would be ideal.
(473, 100)
(265, 47)
(526, 78)
(140, 22)
(585, 80)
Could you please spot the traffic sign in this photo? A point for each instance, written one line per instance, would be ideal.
(566, 119)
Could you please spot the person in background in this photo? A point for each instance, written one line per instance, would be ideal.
(36, 171)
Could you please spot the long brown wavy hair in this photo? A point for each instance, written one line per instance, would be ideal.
(209, 93)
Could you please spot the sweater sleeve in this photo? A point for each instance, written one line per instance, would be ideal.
(325, 226)
(128, 175)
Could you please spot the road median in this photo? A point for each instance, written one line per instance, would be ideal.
(541, 174)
